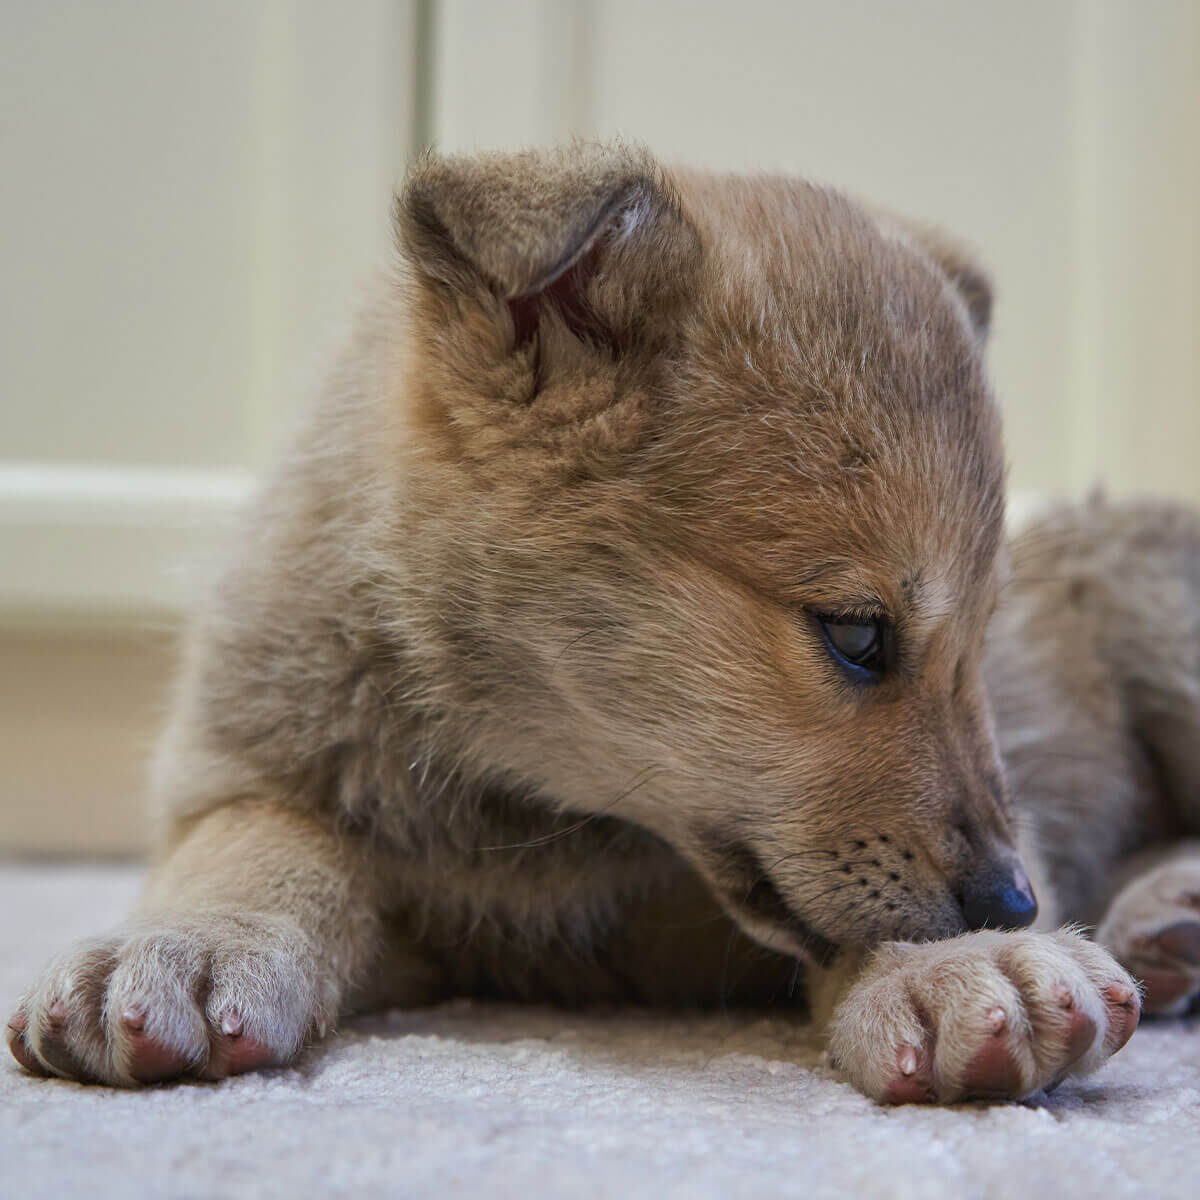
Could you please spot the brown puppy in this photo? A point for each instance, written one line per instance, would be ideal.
(615, 629)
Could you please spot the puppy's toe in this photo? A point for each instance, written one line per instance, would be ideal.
(235, 1050)
(146, 1058)
(912, 1079)
(999, 1066)
(18, 1025)
(61, 1039)
(1080, 1034)
(1124, 1008)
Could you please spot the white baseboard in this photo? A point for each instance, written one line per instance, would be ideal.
(80, 542)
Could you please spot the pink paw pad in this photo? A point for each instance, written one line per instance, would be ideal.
(994, 1070)
(1179, 942)
(54, 1049)
(149, 1060)
(1167, 962)
(1124, 1012)
(1080, 1030)
(914, 1082)
(17, 1025)
(238, 1052)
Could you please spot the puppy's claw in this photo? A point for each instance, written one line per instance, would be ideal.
(914, 1084)
(133, 1018)
(995, 1019)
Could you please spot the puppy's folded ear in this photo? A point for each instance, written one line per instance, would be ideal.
(959, 266)
(967, 276)
(588, 232)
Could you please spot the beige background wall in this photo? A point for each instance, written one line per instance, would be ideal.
(1060, 137)
(190, 195)
(191, 192)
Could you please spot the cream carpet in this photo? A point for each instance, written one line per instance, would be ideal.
(479, 1101)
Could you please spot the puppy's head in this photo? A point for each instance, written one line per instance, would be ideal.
(704, 475)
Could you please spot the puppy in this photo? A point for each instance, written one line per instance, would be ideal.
(615, 630)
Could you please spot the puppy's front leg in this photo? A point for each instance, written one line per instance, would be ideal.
(987, 1014)
(249, 933)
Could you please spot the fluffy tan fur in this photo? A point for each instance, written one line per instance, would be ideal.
(516, 685)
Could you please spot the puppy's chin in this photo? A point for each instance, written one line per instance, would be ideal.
(796, 939)
(786, 932)
(766, 910)
(766, 914)
(927, 920)
(749, 894)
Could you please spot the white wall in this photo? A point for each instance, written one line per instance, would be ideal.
(191, 193)
(1137, 361)
(1060, 137)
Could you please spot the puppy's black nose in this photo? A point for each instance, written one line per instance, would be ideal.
(999, 896)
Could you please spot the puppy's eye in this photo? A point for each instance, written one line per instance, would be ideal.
(859, 644)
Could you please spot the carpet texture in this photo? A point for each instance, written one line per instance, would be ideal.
(489, 1101)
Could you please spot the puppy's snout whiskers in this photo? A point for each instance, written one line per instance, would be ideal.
(871, 887)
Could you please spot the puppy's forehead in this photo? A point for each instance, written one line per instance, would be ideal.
(834, 390)
(919, 562)
(809, 302)
(786, 250)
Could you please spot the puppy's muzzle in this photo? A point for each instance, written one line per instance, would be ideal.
(999, 895)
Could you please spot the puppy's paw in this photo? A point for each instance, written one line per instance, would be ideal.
(1153, 927)
(985, 1015)
(200, 996)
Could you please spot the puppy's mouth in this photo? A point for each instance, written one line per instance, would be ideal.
(750, 895)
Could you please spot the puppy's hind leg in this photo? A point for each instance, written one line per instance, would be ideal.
(251, 930)
(1152, 923)
(1153, 927)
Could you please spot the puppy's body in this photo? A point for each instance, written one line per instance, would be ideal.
(1094, 673)
(523, 684)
